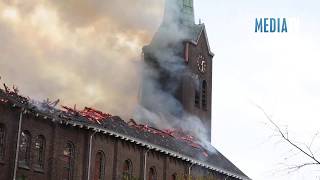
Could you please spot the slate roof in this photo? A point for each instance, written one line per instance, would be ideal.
(117, 127)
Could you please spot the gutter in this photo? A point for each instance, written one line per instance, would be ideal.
(145, 165)
(151, 147)
(17, 147)
(189, 170)
(162, 150)
(90, 154)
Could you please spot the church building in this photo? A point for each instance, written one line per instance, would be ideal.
(181, 61)
(39, 141)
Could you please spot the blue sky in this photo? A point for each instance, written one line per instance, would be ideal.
(276, 71)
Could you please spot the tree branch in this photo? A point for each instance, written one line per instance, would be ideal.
(297, 167)
(285, 136)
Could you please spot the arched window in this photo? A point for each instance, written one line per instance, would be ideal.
(197, 98)
(2, 142)
(204, 95)
(211, 175)
(24, 148)
(99, 166)
(197, 94)
(68, 158)
(152, 175)
(40, 146)
(127, 170)
(174, 176)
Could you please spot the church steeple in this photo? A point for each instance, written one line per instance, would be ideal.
(179, 11)
(178, 69)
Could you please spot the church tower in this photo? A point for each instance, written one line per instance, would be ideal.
(179, 61)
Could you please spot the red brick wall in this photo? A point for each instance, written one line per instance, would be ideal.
(116, 152)
(9, 118)
(106, 144)
(189, 85)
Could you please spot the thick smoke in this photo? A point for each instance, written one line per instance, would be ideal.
(88, 52)
(84, 52)
(164, 69)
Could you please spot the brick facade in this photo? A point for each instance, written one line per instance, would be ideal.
(57, 135)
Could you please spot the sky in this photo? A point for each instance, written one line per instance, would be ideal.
(89, 53)
(279, 72)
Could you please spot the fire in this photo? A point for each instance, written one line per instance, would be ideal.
(89, 113)
(96, 116)
(177, 134)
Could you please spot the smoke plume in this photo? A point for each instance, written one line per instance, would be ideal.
(84, 52)
(88, 52)
(164, 70)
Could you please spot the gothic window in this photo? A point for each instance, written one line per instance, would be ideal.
(197, 98)
(68, 159)
(40, 145)
(174, 176)
(127, 170)
(99, 166)
(24, 148)
(2, 142)
(152, 175)
(197, 93)
(204, 95)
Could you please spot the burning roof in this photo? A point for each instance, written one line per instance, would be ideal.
(172, 140)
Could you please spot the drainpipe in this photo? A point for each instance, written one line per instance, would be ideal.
(90, 154)
(17, 147)
(189, 171)
(145, 165)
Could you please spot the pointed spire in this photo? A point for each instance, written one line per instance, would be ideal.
(179, 11)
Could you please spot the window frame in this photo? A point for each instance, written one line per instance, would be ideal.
(154, 170)
(174, 176)
(127, 173)
(70, 163)
(102, 166)
(204, 91)
(197, 98)
(40, 153)
(25, 158)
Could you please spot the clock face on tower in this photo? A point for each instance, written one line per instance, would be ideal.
(202, 64)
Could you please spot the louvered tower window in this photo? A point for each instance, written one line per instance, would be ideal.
(197, 98)
(204, 95)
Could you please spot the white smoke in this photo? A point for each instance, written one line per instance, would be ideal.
(162, 73)
(87, 52)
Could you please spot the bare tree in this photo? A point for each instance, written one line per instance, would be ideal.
(305, 149)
